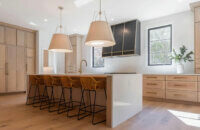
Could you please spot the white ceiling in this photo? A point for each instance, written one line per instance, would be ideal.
(77, 19)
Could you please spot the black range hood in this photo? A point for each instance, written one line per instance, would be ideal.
(127, 38)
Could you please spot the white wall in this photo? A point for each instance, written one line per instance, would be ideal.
(182, 34)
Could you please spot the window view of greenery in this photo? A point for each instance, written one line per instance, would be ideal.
(160, 45)
(98, 61)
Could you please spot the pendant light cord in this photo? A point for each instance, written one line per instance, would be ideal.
(60, 26)
(100, 10)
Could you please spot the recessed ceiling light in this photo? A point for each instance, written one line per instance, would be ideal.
(32, 23)
(80, 3)
(112, 19)
(45, 20)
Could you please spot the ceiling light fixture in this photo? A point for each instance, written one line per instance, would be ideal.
(100, 33)
(60, 42)
(45, 20)
(80, 3)
(32, 23)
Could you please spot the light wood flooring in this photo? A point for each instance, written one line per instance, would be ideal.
(15, 115)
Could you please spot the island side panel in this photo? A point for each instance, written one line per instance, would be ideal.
(109, 101)
(126, 97)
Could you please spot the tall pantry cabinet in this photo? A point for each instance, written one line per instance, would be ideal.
(17, 57)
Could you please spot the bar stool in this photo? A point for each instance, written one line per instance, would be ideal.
(90, 84)
(47, 84)
(68, 83)
(33, 82)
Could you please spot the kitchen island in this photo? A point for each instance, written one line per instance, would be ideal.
(124, 95)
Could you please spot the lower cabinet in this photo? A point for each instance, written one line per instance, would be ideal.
(181, 95)
(172, 87)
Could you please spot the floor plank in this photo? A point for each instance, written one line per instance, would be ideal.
(15, 115)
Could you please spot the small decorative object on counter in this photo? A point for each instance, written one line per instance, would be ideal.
(180, 57)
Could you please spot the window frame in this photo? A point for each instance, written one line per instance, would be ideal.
(150, 29)
(93, 60)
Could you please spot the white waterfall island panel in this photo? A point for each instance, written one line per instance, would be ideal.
(126, 97)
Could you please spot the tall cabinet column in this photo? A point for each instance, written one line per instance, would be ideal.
(196, 9)
(17, 57)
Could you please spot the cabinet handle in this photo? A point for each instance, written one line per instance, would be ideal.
(178, 85)
(177, 94)
(26, 67)
(152, 84)
(179, 77)
(151, 77)
(152, 92)
(6, 65)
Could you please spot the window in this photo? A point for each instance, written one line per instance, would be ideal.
(98, 61)
(159, 45)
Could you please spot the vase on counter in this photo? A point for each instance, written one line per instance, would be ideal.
(179, 68)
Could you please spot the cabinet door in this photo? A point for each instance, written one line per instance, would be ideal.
(20, 38)
(2, 68)
(20, 69)
(129, 37)
(197, 45)
(46, 58)
(11, 68)
(30, 65)
(2, 34)
(70, 61)
(30, 39)
(197, 14)
(118, 35)
(11, 36)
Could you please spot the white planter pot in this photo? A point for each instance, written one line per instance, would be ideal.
(179, 68)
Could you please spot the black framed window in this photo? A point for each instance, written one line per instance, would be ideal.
(159, 45)
(97, 60)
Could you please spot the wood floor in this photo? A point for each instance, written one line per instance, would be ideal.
(15, 115)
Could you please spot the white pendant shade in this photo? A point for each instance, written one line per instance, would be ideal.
(100, 35)
(60, 43)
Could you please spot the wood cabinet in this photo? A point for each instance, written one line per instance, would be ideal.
(154, 86)
(172, 87)
(72, 60)
(11, 70)
(2, 34)
(2, 68)
(17, 57)
(20, 38)
(10, 36)
(20, 68)
(45, 58)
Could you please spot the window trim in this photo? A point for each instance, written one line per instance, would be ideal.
(150, 29)
(93, 60)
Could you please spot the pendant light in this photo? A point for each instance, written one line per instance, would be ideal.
(100, 33)
(60, 42)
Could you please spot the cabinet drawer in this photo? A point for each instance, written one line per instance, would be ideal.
(181, 77)
(181, 95)
(154, 84)
(199, 86)
(155, 93)
(178, 85)
(154, 77)
(198, 96)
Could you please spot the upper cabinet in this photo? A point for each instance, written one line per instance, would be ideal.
(2, 34)
(30, 40)
(20, 38)
(11, 36)
(127, 38)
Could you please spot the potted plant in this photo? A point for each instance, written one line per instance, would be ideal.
(180, 57)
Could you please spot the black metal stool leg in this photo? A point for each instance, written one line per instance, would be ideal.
(62, 102)
(45, 99)
(28, 97)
